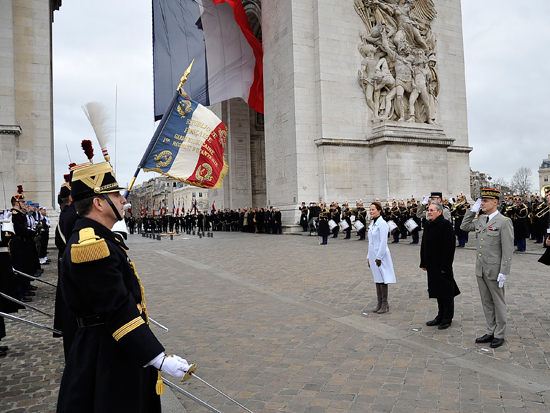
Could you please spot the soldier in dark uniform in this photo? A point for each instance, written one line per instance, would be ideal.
(8, 284)
(335, 216)
(413, 209)
(277, 222)
(44, 237)
(386, 212)
(346, 216)
(395, 216)
(361, 215)
(303, 216)
(200, 222)
(24, 256)
(403, 218)
(540, 220)
(63, 320)
(324, 230)
(458, 211)
(519, 219)
(115, 358)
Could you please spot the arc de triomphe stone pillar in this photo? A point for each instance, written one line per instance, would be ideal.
(26, 108)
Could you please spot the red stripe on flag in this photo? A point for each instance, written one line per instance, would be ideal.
(210, 168)
(256, 96)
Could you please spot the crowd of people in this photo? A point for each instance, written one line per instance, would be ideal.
(529, 216)
(23, 250)
(100, 305)
(265, 220)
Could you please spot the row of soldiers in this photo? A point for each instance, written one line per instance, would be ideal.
(23, 249)
(256, 220)
(530, 218)
(166, 223)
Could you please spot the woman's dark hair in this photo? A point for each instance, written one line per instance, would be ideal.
(378, 205)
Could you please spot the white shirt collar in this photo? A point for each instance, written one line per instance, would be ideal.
(493, 215)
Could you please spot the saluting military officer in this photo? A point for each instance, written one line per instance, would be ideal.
(115, 359)
(495, 246)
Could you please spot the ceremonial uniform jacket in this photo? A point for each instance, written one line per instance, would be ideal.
(520, 222)
(324, 230)
(104, 371)
(61, 313)
(8, 284)
(495, 243)
(24, 256)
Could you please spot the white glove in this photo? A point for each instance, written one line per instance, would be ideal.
(476, 206)
(501, 278)
(451, 201)
(426, 200)
(173, 365)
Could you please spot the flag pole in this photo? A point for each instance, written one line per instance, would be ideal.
(151, 145)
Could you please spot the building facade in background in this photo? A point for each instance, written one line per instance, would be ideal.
(166, 195)
(544, 173)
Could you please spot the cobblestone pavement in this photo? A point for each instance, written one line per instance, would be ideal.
(277, 323)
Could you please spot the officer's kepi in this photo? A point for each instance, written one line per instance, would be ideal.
(93, 180)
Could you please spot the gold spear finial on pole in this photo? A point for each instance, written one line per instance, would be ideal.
(184, 79)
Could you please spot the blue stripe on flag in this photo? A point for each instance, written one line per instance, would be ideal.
(163, 149)
(178, 38)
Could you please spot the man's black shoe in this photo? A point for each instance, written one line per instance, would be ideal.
(434, 322)
(3, 348)
(497, 342)
(3, 354)
(444, 326)
(485, 339)
(29, 294)
(25, 299)
(33, 288)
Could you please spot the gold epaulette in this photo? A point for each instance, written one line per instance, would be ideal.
(89, 248)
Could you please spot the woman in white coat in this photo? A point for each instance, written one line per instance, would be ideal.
(379, 257)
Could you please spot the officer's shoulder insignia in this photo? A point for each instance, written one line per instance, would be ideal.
(15, 212)
(89, 248)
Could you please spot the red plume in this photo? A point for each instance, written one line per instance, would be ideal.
(67, 177)
(72, 165)
(19, 189)
(88, 149)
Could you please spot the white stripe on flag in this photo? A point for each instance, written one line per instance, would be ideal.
(230, 58)
(186, 161)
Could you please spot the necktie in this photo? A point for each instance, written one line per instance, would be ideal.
(487, 219)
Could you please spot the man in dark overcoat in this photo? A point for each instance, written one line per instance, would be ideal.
(436, 257)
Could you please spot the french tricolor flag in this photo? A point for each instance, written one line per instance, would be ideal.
(217, 34)
(188, 145)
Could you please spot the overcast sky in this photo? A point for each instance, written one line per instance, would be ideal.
(103, 52)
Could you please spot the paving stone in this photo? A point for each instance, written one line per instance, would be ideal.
(265, 320)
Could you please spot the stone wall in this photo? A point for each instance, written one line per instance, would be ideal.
(26, 112)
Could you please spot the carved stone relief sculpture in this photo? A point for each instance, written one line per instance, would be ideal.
(398, 68)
